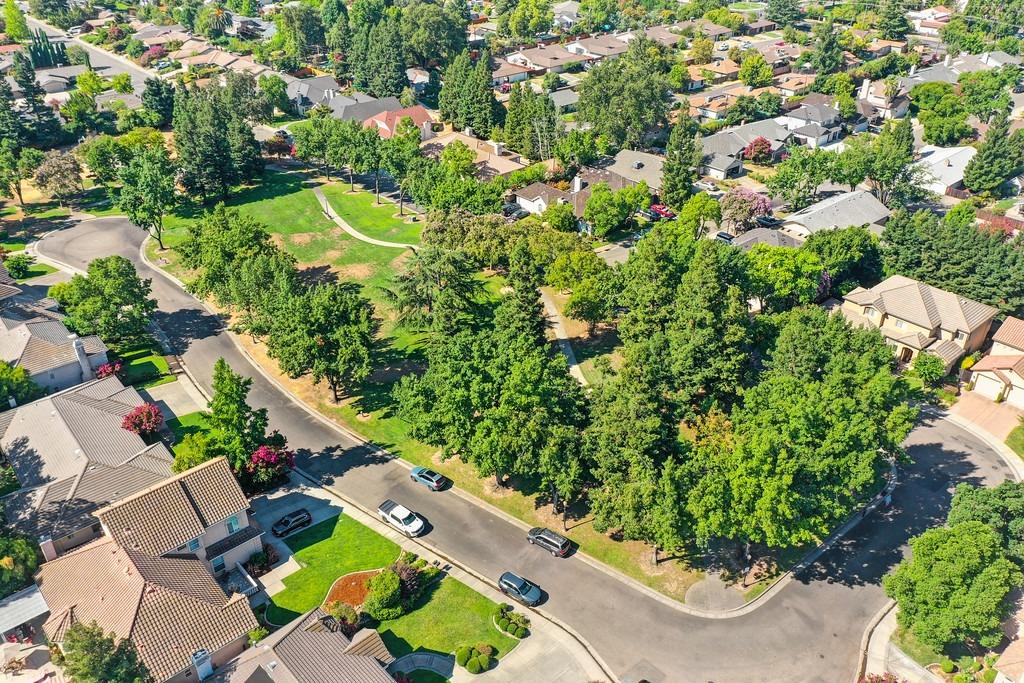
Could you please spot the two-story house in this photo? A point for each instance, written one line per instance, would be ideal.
(915, 317)
(202, 512)
(999, 376)
(813, 125)
(151, 578)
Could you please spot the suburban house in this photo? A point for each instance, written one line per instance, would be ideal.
(386, 122)
(52, 80)
(709, 107)
(877, 105)
(915, 317)
(794, 85)
(1000, 375)
(711, 30)
(182, 622)
(780, 56)
(546, 58)
(492, 159)
(564, 99)
(507, 72)
(723, 151)
(814, 125)
(360, 106)
(306, 93)
(668, 36)
(929, 21)
(200, 513)
(598, 47)
(638, 167)
(722, 70)
(537, 197)
(566, 14)
(775, 238)
(759, 26)
(311, 648)
(71, 457)
(944, 167)
(838, 211)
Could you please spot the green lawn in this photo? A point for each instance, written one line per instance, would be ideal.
(37, 270)
(914, 648)
(373, 220)
(1016, 440)
(450, 615)
(183, 425)
(326, 551)
(145, 366)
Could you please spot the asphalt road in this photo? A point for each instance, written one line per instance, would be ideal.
(810, 631)
(101, 61)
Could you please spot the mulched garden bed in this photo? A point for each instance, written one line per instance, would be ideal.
(351, 589)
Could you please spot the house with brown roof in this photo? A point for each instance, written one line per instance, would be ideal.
(537, 197)
(492, 158)
(915, 317)
(182, 622)
(311, 648)
(386, 122)
(71, 457)
(546, 58)
(999, 376)
(598, 47)
(201, 512)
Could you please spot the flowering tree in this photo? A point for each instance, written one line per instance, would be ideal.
(741, 206)
(108, 369)
(152, 54)
(268, 463)
(143, 420)
(759, 150)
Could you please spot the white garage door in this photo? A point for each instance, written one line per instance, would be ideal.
(987, 386)
(1016, 397)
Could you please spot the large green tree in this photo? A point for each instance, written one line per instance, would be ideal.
(147, 190)
(995, 161)
(892, 20)
(92, 656)
(683, 157)
(110, 300)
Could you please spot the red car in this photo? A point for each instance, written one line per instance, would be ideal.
(662, 211)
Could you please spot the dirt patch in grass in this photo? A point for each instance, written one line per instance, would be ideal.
(351, 589)
(396, 263)
(356, 271)
(278, 240)
(302, 238)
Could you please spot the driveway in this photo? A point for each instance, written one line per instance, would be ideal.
(998, 419)
(810, 630)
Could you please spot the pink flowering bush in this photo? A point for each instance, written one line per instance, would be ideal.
(741, 206)
(759, 150)
(268, 463)
(108, 369)
(152, 54)
(143, 420)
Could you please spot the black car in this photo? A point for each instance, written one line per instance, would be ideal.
(767, 221)
(556, 544)
(520, 214)
(1018, 89)
(724, 237)
(509, 209)
(292, 521)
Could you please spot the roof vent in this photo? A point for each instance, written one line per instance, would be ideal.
(638, 164)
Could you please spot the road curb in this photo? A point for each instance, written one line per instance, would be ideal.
(865, 639)
(1013, 461)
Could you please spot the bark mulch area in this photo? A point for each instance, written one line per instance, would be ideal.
(351, 589)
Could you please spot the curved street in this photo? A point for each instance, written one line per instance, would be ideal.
(809, 631)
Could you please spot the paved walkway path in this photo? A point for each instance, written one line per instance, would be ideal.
(883, 656)
(442, 665)
(563, 337)
(343, 224)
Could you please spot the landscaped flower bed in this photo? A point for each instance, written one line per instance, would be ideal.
(352, 589)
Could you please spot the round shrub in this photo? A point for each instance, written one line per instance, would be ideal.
(384, 599)
(947, 666)
(484, 662)
(507, 628)
(521, 632)
(462, 656)
(989, 676)
(503, 624)
(473, 666)
(484, 649)
(962, 678)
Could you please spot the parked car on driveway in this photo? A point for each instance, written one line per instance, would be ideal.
(648, 214)
(401, 517)
(519, 589)
(292, 521)
(555, 543)
(723, 236)
(429, 478)
(662, 211)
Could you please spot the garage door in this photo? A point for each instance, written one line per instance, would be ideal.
(987, 386)
(1016, 397)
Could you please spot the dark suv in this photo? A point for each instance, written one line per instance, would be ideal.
(556, 544)
(292, 521)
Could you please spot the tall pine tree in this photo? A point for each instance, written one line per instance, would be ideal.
(682, 159)
(994, 162)
(385, 57)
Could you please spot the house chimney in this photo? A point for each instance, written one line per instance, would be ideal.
(468, 130)
(499, 147)
(577, 183)
(49, 551)
(83, 359)
(13, 403)
(948, 58)
(865, 88)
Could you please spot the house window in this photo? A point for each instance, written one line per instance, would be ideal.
(869, 311)
(218, 564)
(232, 524)
(898, 323)
(960, 336)
(193, 545)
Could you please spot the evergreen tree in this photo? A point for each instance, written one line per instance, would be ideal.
(246, 155)
(15, 25)
(386, 60)
(683, 157)
(892, 22)
(995, 161)
(11, 129)
(784, 12)
(452, 97)
(482, 107)
(158, 97)
(41, 124)
(828, 51)
(237, 427)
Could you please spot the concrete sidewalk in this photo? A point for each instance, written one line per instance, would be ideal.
(884, 657)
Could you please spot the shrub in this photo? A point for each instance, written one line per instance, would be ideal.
(462, 655)
(521, 632)
(967, 664)
(947, 665)
(18, 265)
(484, 649)
(473, 666)
(108, 369)
(484, 661)
(503, 624)
(384, 599)
(257, 634)
(963, 678)
(143, 420)
(989, 676)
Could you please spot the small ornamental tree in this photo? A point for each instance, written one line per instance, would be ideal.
(143, 420)
(740, 206)
(153, 54)
(108, 369)
(759, 150)
(269, 463)
(929, 368)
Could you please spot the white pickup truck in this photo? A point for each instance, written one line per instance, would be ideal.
(400, 517)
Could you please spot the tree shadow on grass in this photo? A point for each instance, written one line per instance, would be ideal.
(272, 184)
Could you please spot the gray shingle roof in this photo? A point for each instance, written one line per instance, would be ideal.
(841, 211)
(924, 305)
(71, 456)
